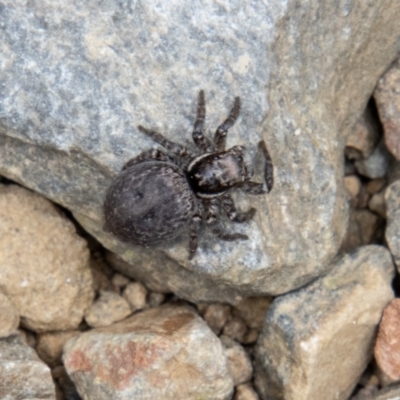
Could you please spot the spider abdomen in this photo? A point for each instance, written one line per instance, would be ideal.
(148, 203)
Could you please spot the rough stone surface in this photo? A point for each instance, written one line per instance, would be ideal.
(9, 317)
(107, 309)
(239, 363)
(377, 164)
(317, 341)
(50, 346)
(392, 234)
(391, 392)
(135, 294)
(78, 77)
(365, 134)
(22, 374)
(44, 263)
(387, 98)
(245, 392)
(161, 353)
(387, 346)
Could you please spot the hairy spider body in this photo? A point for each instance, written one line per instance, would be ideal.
(157, 194)
(134, 212)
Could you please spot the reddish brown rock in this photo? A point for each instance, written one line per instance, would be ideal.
(387, 347)
(165, 353)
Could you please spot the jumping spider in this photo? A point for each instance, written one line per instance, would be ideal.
(158, 194)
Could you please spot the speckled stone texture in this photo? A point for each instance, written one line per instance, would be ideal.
(163, 353)
(392, 234)
(22, 374)
(44, 263)
(317, 341)
(78, 77)
(387, 98)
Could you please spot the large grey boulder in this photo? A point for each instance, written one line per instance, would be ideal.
(77, 78)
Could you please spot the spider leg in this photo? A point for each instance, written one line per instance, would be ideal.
(261, 188)
(194, 228)
(222, 130)
(211, 220)
(173, 147)
(147, 155)
(198, 132)
(231, 212)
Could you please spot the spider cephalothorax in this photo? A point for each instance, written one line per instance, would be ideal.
(156, 195)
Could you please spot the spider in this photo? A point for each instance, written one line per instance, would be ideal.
(156, 194)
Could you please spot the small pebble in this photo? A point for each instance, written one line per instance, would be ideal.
(120, 280)
(155, 299)
(245, 392)
(377, 204)
(107, 309)
(353, 185)
(376, 185)
(236, 329)
(216, 316)
(239, 363)
(135, 294)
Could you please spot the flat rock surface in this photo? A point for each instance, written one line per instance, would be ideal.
(317, 341)
(22, 374)
(44, 263)
(162, 353)
(78, 77)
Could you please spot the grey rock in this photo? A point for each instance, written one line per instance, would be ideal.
(391, 392)
(317, 341)
(365, 135)
(376, 165)
(387, 98)
(161, 353)
(392, 234)
(22, 374)
(77, 79)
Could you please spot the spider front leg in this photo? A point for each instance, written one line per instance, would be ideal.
(198, 132)
(262, 188)
(233, 215)
(212, 209)
(173, 147)
(147, 155)
(222, 130)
